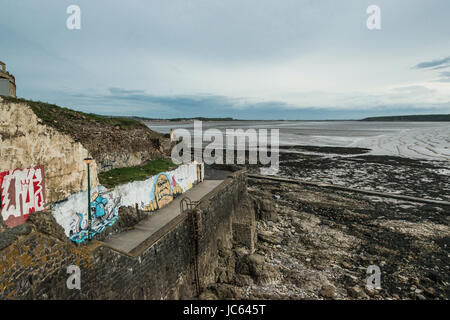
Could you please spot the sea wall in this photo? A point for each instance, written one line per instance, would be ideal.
(35, 266)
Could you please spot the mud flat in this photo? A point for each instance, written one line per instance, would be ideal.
(355, 167)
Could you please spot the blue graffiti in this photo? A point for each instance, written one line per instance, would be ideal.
(98, 206)
(103, 214)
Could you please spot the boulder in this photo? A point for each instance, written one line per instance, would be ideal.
(269, 237)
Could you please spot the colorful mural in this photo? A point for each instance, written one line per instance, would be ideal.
(149, 195)
(104, 213)
(22, 192)
(164, 190)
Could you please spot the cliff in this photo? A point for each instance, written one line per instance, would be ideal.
(58, 139)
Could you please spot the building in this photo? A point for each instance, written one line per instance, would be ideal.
(7, 82)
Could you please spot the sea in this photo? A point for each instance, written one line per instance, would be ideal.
(419, 140)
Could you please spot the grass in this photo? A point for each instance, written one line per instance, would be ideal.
(119, 176)
(52, 114)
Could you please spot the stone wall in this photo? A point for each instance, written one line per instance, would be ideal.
(26, 142)
(34, 266)
(11, 80)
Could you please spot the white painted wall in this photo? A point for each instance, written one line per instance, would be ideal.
(139, 192)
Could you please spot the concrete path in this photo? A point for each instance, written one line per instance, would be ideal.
(129, 240)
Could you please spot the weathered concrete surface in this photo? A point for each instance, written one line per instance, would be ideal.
(26, 142)
(127, 241)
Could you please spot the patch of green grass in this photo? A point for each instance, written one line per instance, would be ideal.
(119, 176)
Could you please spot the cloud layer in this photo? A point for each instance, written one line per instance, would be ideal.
(246, 59)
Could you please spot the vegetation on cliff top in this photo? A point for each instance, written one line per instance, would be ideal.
(54, 115)
(115, 177)
(111, 141)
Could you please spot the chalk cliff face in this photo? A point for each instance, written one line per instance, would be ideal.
(114, 142)
(25, 141)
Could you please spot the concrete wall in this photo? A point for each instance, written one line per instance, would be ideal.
(35, 265)
(148, 195)
(25, 142)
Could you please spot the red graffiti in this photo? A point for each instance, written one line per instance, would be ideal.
(22, 191)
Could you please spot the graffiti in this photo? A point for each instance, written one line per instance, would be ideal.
(149, 195)
(22, 192)
(164, 190)
(104, 213)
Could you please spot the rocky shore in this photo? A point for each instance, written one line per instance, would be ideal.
(316, 243)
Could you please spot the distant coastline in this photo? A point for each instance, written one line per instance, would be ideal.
(419, 117)
(424, 118)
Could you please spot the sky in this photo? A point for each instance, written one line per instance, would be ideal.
(246, 59)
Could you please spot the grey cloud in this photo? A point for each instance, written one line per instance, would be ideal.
(414, 90)
(439, 63)
(445, 77)
(175, 49)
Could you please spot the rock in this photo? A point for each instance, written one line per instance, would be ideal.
(327, 291)
(269, 237)
(265, 210)
(226, 291)
(357, 292)
(207, 295)
(430, 291)
(242, 280)
(240, 252)
(21, 230)
(6, 239)
(45, 222)
(254, 265)
(346, 265)
(222, 275)
(8, 236)
(256, 259)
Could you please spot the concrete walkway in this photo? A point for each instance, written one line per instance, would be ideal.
(129, 240)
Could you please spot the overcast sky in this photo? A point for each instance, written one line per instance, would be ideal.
(250, 59)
